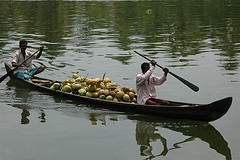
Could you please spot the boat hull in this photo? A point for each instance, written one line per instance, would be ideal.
(180, 110)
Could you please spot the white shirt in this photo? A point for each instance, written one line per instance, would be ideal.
(145, 89)
(18, 58)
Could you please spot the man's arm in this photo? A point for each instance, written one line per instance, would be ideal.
(40, 52)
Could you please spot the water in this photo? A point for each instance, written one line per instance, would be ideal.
(197, 40)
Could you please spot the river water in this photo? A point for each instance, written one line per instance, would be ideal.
(198, 40)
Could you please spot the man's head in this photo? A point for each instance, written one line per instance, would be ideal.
(23, 44)
(145, 67)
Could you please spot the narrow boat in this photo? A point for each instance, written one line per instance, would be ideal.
(199, 112)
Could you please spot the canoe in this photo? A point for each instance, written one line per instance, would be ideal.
(178, 110)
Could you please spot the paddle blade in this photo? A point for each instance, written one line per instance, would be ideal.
(187, 83)
(5, 76)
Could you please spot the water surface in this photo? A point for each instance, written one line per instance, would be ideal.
(197, 40)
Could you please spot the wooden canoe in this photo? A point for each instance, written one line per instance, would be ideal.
(200, 112)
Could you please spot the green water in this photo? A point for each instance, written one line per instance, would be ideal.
(198, 40)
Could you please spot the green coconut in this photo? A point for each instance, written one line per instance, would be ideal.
(67, 88)
(56, 86)
(76, 86)
(109, 97)
(75, 75)
(102, 96)
(82, 91)
(89, 94)
(126, 98)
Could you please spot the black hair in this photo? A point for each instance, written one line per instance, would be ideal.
(145, 65)
(22, 41)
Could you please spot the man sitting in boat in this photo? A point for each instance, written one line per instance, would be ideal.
(146, 82)
(25, 71)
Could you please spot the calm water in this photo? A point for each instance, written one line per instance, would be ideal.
(198, 40)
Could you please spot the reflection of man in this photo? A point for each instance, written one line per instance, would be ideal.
(25, 114)
(42, 116)
(144, 135)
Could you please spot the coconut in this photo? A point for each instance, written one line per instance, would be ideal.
(102, 96)
(76, 86)
(112, 93)
(115, 100)
(125, 89)
(131, 95)
(72, 80)
(89, 94)
(132, 90)
(94, 81)
(52, 87)
(126, 98)
(67, 88)
(92, 88)
(82, 91)
(106, 92)
(56, 86)
(97, 89)
(107, 80)
(117, 90)
(81, 79)
(111, 85)
(109, 97)
(120, 94)
(95, 94)
(102, 85)
(65, 82)
(75, 75)
(134, 100)
(101, 91)
(88, 81)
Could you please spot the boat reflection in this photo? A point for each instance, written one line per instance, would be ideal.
(147, 133)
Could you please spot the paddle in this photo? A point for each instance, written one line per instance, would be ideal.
(189, 84)
(10, 72)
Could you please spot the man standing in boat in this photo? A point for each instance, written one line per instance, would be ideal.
(25, 71)
(146, 82)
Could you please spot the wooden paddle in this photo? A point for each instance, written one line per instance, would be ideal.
(189, 84)
(10, 72)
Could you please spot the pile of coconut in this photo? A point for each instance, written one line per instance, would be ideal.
(96, 88)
